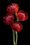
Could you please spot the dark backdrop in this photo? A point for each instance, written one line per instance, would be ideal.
(6, 31)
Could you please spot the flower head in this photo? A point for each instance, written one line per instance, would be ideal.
(8, 19)
(11, 9)
(22, 16)
(17, 27)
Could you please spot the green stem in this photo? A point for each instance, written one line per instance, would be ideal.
(16, 37)
(15, 41)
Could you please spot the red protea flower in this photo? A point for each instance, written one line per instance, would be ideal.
(11, 9)
(22, 16)
(17, 27)
(8, 19)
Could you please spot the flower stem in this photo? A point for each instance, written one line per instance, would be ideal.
(15, 35)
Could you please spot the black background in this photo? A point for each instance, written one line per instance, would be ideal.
(6, 31)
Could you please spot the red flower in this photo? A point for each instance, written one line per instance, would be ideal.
(8, 19)
(22, 16)
(15, 6)
(11, 9)
(17, 27)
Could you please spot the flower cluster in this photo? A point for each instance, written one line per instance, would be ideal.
(13, 9)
